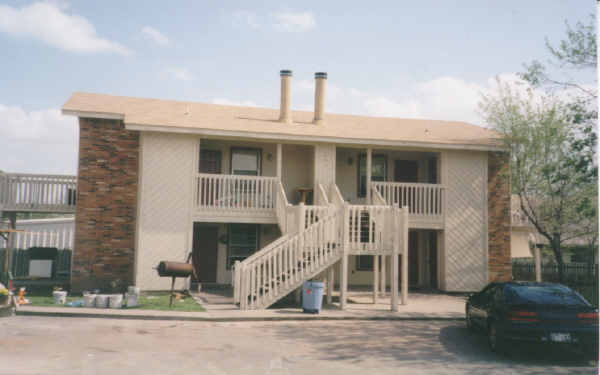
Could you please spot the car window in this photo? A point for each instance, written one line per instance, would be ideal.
(546, 294)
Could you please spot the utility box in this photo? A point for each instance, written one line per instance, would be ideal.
(312, 297)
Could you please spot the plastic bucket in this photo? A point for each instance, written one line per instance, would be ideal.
(312, 296)
(60, 297)
(115, 301)
(89, 300)
(131, 300)
(102, 301)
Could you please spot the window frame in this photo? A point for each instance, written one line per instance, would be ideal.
(363, 156)
(258, 152)
(230, 226)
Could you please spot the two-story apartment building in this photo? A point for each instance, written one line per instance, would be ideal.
(288, 194)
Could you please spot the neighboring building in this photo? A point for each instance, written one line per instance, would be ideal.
(525, 238)
(159, 179)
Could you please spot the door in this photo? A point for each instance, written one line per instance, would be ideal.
(204, 253)
(406, 171)
(210, 162)
(433, 259)
(413, 260)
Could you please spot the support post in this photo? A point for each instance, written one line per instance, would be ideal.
(394, 259)
(538, 265)
(382, 273)
(344, 262)
(405, 255)
(330, 281)
(375, 278)
(279, 161)
(368, 176)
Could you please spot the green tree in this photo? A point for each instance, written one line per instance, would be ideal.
(552, 139)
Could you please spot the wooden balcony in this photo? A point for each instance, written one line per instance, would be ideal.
(425, 202)
(234, 198)
(21, 192)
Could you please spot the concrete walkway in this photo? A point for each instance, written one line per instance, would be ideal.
(220, 308)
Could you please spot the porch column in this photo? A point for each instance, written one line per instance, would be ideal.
(538, 265)
(279, 161)
(382, 273)
(330, 281)
(394, 260)
(375, 278)
(344, 261)
(405, 255)
(368, 176)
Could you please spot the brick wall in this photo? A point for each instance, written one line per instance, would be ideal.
(499, 262)
(106, 205)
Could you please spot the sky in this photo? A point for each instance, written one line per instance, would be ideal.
(410, 59)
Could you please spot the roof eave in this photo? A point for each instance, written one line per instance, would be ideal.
(309, 138)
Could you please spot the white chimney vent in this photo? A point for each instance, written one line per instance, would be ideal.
(285, 113)
(320, 86)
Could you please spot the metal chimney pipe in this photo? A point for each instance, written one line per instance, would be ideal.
(285, 113)
(320, 86)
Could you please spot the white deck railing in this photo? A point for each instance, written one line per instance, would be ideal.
(58, 238)
(370, 228)
(37, 192)
(235, 193)
(421, 199)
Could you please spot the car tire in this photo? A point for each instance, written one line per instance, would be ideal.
(468, 319)
(495, 339)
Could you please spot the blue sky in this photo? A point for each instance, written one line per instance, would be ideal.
(425, 59)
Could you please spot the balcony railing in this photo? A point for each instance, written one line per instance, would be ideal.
(235, 193)
(425, 202)
(37, 192)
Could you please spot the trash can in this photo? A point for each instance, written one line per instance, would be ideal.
(312, 296)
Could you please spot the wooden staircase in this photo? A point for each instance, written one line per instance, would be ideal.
(314, 239)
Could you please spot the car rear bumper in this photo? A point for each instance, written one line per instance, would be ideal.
(587, 337)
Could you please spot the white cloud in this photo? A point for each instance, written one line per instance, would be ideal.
(182, 74)
(294, 21)
(38, 141)
(48, 23)
(155, 35)
(285, 21)
(246, 18)
(244, 103)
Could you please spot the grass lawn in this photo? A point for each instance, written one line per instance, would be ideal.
(146, 301)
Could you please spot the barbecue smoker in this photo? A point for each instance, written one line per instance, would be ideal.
(174, 270)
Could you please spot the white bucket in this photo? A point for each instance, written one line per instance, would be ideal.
(133, 290)
(60, 297)
(89, 300)
(132, 300)
(102, 301)
(115, 301)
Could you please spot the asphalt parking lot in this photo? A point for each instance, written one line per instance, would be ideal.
(46, 345)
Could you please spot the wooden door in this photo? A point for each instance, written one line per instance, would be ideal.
(204, 253)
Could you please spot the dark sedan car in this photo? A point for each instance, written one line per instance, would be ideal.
(532, 312)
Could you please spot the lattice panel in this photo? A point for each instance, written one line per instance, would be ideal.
(466, 201)
(167, 168)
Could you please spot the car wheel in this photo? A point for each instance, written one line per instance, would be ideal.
(468, 319)
(495, 339)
